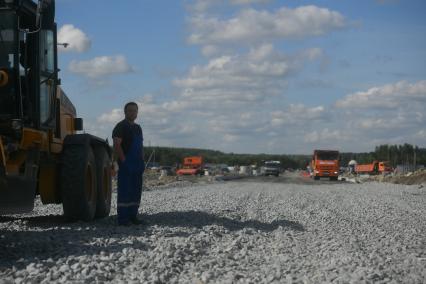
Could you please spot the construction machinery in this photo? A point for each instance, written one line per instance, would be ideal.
(192, 166)
(373, 168)
(40, 150)
(271, 168)
(325, 163)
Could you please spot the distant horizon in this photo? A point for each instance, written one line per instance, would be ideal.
(285, 154)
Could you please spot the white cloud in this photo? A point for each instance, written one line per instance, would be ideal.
(254, 76)
(201, 6)
(253, 26)
(272, 128)
(209, 50)
(230, 138)
(102, 66)
(298, 114)
(247, 2)
(162, 123)
(421, 134)
(389, 96)
(392, 113)
(325, 135)
(114, 116)
(75, 38)
(312, 53)
(384, 122)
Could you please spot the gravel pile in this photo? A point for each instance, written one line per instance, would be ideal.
(153, 180)
(233, 232)
(418, 177)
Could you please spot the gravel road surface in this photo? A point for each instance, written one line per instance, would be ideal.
(253, 231)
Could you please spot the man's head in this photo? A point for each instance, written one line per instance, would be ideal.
(131, 111)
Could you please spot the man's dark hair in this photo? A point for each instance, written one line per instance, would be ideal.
(130, 104)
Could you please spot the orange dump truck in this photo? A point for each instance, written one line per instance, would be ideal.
(325, 163)
(373, 168)
(191, 166)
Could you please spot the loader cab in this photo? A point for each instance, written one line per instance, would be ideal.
(28, 67)
(8, 64)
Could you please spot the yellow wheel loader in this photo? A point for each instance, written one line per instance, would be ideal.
(41, 152)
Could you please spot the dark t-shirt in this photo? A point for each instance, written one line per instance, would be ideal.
(126, 131)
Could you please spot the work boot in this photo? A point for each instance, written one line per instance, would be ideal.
(137, 221)
(125, 224)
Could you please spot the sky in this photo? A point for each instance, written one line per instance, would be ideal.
(249, 76)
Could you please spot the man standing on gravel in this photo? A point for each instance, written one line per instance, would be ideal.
(128, 145)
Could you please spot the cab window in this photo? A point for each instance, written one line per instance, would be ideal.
(47, 56)
(46, 96)
(47, 69)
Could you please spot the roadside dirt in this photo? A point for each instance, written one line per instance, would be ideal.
(153, 179)
(289, 177)
(418, 177)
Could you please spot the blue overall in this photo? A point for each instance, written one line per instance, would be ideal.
(129, 187)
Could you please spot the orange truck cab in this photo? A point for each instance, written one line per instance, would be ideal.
(375, 167)
(384, 167)
(325, 163)
(192, 166)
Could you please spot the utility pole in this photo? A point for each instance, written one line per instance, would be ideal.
(414, 159)
(388, 153)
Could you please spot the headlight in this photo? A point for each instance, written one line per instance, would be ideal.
(4, 78)
(16, 124)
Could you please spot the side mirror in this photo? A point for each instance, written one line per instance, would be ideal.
(78, 124)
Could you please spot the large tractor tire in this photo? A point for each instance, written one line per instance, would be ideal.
(79, 183)
(104, 186)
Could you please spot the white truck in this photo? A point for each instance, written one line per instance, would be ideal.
(271, 168)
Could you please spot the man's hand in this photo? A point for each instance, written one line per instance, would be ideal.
(117, 148)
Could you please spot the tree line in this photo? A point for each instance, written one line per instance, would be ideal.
(405, 154)
(395, 154)
(174, 156)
